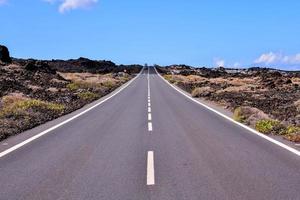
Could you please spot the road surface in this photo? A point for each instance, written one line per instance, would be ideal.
(149, 142)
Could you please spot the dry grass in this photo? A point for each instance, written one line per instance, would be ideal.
(17, 105)
(296, 80)
(238, 115)
(234, 81)
(292, 133)
(185, 79)
(88, 96)
(199, 79)
(293, 137)
(202, 91)
(88, 77)
(94, 81)
(244, 88)
(196, 79)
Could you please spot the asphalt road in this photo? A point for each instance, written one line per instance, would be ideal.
(164, 146)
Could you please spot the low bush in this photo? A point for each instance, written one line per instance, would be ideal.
(293, 130)
(292, 133)
(88, 96)
(90, 85)
(20, 106)
(72, 86)
(169, 78)
(238, 116)
(293, 137)
(109, 84)
(268, 126)
(82, 85)
(202, 91)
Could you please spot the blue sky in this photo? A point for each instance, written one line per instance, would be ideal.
(195, 32)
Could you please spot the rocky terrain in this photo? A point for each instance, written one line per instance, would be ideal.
(33, 92)
(266, 99)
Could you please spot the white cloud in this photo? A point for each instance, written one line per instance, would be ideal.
(67, 5)
(292, 59)
(236, 64)
(278, 58)
(219, 62)
(269, 58)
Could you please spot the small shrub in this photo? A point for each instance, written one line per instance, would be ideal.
(293, 130)
(73, 86)
(109, 84)
(293, 137)
(169, 78)
(202, 91)
(88, 96)
(238, 116)
(82, 85)
(267, 126)
(292, 133)
(21, 106)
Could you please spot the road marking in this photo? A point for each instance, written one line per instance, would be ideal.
(149, 104)
(148, 79)
(150, 128)
(149, 117)
(149, 109)
(149, 101)
(150, 168)
(233, 121)
(17, 146)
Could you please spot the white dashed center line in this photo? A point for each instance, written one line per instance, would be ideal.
(150, 168)
(150, 128)
(150, 156)
(149, 117)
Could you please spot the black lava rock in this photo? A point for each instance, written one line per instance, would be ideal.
(4, 54)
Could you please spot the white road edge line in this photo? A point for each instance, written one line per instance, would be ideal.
(150, 128)
(150, 168)
(149, 104)
(295, 151)
(149, 109)
(17, 146)
(149, 117)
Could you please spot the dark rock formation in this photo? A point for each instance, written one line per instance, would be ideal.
(4, 54)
